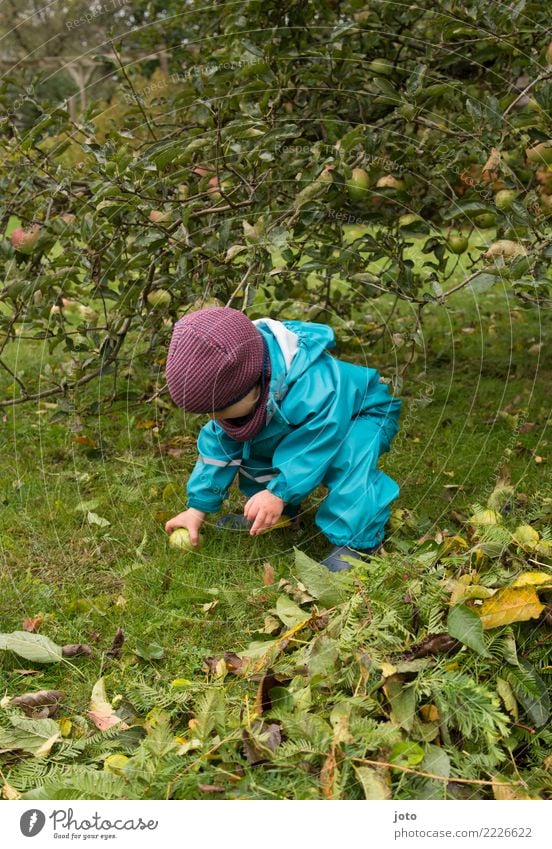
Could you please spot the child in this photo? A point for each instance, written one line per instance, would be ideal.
(286, 416)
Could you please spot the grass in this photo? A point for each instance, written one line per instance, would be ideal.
(477, 405)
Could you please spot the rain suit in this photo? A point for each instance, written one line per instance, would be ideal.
(328, 421)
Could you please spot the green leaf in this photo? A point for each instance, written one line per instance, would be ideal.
(329, 588)
(402, 698)
(465, 625)
(437, 762)
(31, 735)
(537, 707)
(406, 754)
(373, 785)
(33, 647)
(289, 612)
(148, 651)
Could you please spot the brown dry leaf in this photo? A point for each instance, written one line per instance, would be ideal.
(269, 575)
(329, 776)
(433, 644)
(76, 649)
(33, 624)
(490, 169)
(233, 662)
(86, 440)
(505, 792)
(261, 741)
(9, 792)
(38, 705)
(429, 713)
(510, 604)
(211, 788)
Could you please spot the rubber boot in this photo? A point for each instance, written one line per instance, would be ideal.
(333, 561)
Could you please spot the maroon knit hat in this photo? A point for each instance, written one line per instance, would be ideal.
(215, 358)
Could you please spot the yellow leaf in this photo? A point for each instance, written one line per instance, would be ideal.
(526, 537)
(536, 579)
(510, 604)
(116, 764)
(507, 695)
(387, 669)
(65, 726)
(456, 543)
(507, 792)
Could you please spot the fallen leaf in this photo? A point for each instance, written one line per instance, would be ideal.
(33, 624)
(36, 736)
(505, 792)
(38, 705)
(76, 649)
(9, 792)
(148, 651)
(510, 604)
(101, 711)
(86, 440)
(94, 519)
(260, 741)
(536, 579)
(434, 644)
(117, 644)
(372, 783)
(269, 575)
(33, 647)
(233, 662)
(329, 775)
(211, 788)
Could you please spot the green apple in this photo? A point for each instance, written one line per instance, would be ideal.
(180, 538)
(457, 243)
(159, 298)
(357, 186)
(505, 198)
(540, 153)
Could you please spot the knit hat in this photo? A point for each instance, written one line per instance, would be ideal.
(216, 356)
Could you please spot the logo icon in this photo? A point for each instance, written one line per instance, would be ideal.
(32, 822)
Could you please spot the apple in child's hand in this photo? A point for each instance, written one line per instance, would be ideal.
(180, 538)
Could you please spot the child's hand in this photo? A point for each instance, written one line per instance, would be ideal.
(263, 509)
(191, 519)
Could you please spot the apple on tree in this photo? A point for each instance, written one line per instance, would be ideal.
(24, 240)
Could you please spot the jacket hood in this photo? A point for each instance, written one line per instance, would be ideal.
(293, 346)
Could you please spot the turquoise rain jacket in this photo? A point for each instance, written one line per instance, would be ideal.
(328, 421)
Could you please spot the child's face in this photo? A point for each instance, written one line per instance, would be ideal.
(240, 408)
